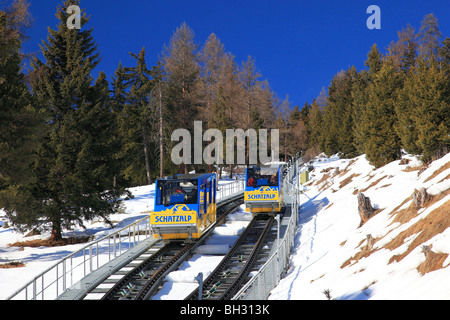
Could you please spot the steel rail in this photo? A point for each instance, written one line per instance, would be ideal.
(228, 276)
(143, 280)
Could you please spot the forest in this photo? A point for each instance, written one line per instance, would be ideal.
(71, 144)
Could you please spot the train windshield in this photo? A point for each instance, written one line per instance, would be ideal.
(261, 176)
(177, 192)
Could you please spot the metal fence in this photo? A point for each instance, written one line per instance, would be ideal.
(55, 280)
(269, 276)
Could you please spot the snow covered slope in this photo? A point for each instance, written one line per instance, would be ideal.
(332, 253)
(385, 258)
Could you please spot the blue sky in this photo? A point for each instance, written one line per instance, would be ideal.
(298, 45)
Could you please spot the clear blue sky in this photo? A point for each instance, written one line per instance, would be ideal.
(298, 45)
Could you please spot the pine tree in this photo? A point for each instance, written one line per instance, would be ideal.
(212, 57)
(19, 120)
(444, 57)
(404, 51)
(248, 77)
(374, 61)
(427, 93)
(359, 95)
(382, 145)
(180, 61)
(314, 123)
(117, 102)
(74, 176)
(21, 125)
(429, 37)
(338, 120)
(138, 120)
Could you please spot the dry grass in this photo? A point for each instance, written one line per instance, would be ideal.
(347, 169)
(435, 223)
(348, 180)
(49, 243)
(11, 265)
(446, 178)
(441, 169)
(411, 169)
(434, 261)
(364, 253)
(373, 184)
(324, 177)
(407, 214)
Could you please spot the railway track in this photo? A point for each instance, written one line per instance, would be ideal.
(139, 279)
(249, 251)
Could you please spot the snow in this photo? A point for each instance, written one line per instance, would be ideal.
(207, 258)
(37, 260)
(328, 236)
(213, 249)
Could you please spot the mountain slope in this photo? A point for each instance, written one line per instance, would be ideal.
(401, 252)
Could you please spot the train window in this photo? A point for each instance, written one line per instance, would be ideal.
(259, 177)
(214, 191)
(177, 192)
(202, 199)
(210, 191)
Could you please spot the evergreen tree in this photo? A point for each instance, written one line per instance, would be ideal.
(138, 120)
(374, 60)
(21, 125)
(427, 93)
(296, 115)
(338, 115)
(74, 179)
(382, 145)
(314, 121)
(360, 97)
(20, 122)
(444, 57)
(117, 102)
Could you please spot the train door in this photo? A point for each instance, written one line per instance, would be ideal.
(202, 202)
(210, 193)
(214, 191)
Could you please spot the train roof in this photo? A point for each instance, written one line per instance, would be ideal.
(189, 176)
(265, 166)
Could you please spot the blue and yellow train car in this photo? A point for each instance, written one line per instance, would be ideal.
(263, 189)
(185, 206)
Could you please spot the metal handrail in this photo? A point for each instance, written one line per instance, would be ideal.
(54, 280)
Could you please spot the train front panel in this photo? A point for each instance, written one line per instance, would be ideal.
(185, 207)
(263, 189)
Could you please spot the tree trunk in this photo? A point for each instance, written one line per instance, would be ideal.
(365, 208)
(147, 159)
(56, 231)
(161, 140)
(420, 197)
